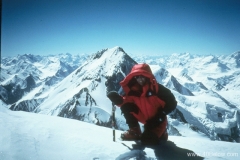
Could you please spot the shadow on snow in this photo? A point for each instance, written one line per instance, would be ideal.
(167, 150)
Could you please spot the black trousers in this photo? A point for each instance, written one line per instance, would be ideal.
(130, 119)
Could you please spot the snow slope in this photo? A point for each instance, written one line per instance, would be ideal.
(26, 136)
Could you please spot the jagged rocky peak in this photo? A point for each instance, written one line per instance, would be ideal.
(210, 60)
(7, 61)
(175, 85)
(236, 57)
(29, 58)
(201, 85)
(183, 57)
(161, 74)
(98, 54)
(27, 105)
(184, 73)
(30, 83)
(3, 94)
(14, 90)
(108, 52)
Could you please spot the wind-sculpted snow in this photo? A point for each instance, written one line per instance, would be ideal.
(75, 86)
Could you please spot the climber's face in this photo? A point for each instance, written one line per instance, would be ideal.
(141, 80)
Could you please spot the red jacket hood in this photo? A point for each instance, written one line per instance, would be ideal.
(138, 69)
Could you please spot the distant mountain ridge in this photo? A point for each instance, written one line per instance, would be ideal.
(74, 86)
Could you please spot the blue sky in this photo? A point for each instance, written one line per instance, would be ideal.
(138, 26)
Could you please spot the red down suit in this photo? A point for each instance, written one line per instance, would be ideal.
(149, 98)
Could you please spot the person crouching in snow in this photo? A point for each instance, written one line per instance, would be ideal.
(145, 101)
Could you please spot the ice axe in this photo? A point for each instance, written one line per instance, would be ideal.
(116, 99)
(113, 121)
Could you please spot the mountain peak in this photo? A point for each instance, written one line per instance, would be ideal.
(109, 53)
(117, 49)
(236, 56)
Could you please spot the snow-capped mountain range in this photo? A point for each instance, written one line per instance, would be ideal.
(74, 86)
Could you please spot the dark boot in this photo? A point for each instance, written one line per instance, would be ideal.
(132, 134)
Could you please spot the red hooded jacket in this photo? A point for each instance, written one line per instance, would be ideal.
(146, 97)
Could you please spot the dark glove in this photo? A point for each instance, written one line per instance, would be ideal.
(155, 121)
(115, 97)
